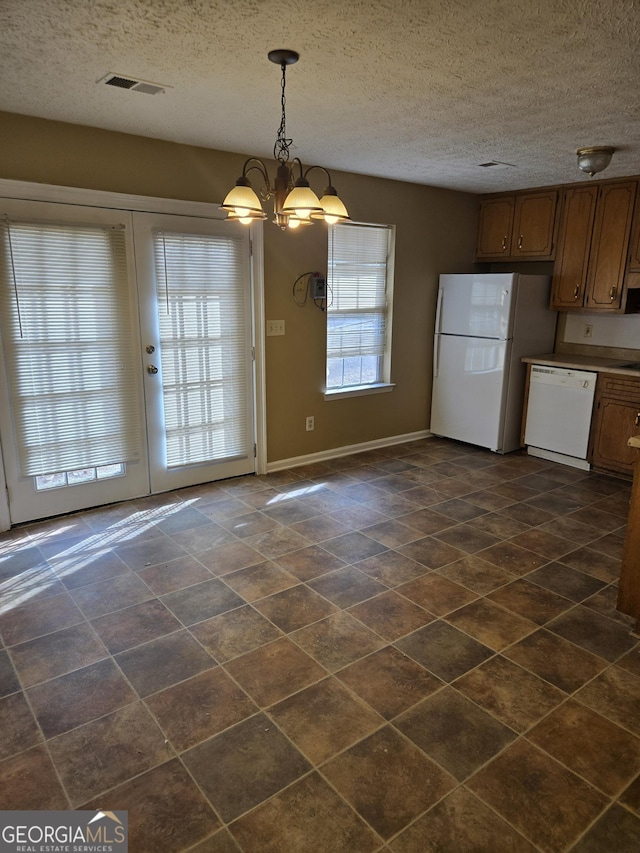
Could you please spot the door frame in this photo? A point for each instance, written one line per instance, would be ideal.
(30, 191)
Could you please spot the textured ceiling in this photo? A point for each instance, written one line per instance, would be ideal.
(417, 90)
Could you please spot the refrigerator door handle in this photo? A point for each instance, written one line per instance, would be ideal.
(436, 355)
(439, 311)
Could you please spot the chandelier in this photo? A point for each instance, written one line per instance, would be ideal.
(294, 202)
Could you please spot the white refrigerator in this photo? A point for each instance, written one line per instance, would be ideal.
(485, 324)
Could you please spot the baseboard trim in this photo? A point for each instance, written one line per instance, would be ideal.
(337, 452)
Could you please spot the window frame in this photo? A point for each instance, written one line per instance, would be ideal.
(384, 385)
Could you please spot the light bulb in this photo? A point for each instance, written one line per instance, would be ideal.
(302, 212)
(294, 223)
(330, 220)
(246, 220)
(242, 211)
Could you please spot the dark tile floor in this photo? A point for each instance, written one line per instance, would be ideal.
(413, 649)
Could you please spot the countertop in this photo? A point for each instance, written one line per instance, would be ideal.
(583, 362)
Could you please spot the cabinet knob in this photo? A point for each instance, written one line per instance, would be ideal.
(612, 293)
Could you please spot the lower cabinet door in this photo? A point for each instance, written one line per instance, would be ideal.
(615, 422)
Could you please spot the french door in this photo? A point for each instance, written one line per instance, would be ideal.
(195, 307)
(126, 355)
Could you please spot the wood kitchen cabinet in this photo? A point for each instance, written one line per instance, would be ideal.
(534, 223)
(520, 226)
(629, 584)
(574, 241)
(632, 279)
(495, 227)
(616, 417)
(593, 244)
(633, 264)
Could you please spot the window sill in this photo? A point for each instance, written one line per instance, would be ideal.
(359, 390)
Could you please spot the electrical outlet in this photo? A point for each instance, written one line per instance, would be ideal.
(588, 330)
(275, 327)
(310, 423)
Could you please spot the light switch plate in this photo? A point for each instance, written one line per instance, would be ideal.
(275, 327)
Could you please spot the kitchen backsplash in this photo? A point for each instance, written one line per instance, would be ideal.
(620, 332)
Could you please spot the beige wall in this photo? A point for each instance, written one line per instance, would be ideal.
(435, 232)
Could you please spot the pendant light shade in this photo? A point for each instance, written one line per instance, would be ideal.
(302, 201)
(245, 220)
(243, 202)
(333, 209)
(297, 221)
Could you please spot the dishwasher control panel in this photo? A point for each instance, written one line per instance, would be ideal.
(564, 377)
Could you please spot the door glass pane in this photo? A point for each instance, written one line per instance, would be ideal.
(201, 283)
(76, 478)
(66, 329)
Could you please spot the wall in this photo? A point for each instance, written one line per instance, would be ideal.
(435, 232)
(617, 332)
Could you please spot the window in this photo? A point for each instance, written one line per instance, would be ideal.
(360, 278)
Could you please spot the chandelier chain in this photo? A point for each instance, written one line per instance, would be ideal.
(282, 144)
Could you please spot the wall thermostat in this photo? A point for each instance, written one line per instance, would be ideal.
(318, 286)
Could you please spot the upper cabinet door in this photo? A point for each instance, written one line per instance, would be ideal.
(572, 257)
(633, 264)
(609, 246)
(534, 225)
(495, 227)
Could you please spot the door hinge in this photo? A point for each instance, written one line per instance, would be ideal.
(255, 450)
(253, 353)
(250, 247)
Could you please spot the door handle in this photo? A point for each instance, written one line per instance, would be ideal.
(439, 310)
(152, 369)
(576, 291)
(637, 420)
(504, 243)
(520, 241)
(612, 293)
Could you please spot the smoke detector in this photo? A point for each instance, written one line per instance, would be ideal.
(122, 81)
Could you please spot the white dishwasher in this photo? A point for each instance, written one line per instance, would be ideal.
(559, 410)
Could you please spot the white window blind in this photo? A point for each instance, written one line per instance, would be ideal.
(64, 299)
(357, 314)
(203, 329)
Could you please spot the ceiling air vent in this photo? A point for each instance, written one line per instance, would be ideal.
(122, 82)
(496, 164)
